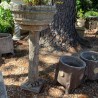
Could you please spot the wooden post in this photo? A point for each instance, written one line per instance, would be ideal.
(33, 56)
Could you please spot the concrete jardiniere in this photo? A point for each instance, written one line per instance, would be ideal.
(91, 22)
(91, 59)
(6, 43)
(70, 72)
(34, 19)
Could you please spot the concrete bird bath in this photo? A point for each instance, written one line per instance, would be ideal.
(34, 19)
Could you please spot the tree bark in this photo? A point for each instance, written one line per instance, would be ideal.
(64, 25)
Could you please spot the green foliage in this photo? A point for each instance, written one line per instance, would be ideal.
(59, 2)
(6, 21)
(38, 2)
(80, 14)
(91, 13)
(79, 9)
(78, 5)
(83, 6)
(6, 0)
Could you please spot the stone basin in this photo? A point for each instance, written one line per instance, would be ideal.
(35, 16)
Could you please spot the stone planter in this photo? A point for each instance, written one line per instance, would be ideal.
(91, 59)
(33, 15)
(70, 72)
(91, 22)
(6, 43)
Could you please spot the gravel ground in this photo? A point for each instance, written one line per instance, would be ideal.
(15, 71)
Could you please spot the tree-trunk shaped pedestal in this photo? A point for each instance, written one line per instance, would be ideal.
(34, 19)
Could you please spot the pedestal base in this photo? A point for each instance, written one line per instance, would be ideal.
(35, 87)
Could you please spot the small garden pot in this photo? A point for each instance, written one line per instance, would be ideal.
(91, 59)
(70, 72)
(6, 43)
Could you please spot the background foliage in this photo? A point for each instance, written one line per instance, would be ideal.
(6, 20)
(85, 6)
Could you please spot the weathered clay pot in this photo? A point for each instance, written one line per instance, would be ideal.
(6, 43)
(70, 72)
(91, 59)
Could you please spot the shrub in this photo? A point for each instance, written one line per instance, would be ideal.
(38, 2)
(6, 20)
(91, 13)
(80, 14)
(6, 0)
(84, 6)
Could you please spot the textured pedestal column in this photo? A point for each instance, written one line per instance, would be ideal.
(33, 56)
(33, 84)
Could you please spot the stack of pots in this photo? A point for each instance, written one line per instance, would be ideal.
(70, 70)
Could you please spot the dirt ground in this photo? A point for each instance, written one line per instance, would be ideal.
(15, 71)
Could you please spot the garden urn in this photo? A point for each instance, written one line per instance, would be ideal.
(91, 59)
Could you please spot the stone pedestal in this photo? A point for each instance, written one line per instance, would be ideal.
(33, 19)
(33, 83)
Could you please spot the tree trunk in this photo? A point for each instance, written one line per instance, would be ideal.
(64, 25)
